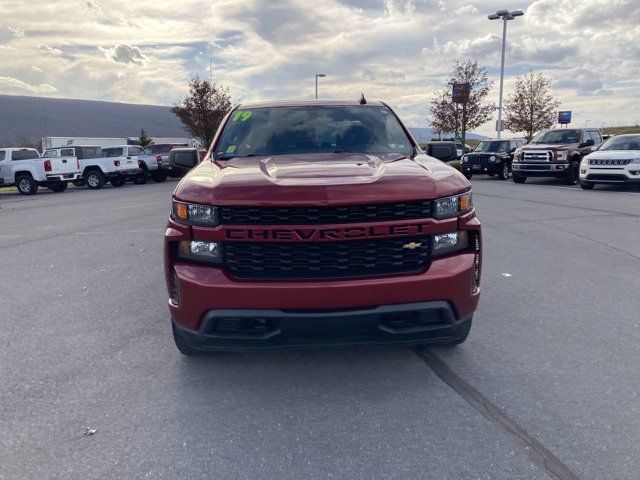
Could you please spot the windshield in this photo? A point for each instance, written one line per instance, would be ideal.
(558, 136)
(312, 129)
(492, 147)
(622, 143)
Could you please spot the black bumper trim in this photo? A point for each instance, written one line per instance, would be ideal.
(410, 324)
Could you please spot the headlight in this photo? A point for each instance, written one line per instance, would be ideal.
(210, 252)
(492, 158)
(445, 243)
(194, 214)
(516, 154)
(561, 155)
(464, 159)
(453, 206)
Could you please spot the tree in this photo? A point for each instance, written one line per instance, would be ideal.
(203, 109)
(530, 107)
(143, 139)
(448, 116)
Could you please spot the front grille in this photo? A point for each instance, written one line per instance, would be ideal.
(608, 161)
(288, 215)
(534, 167)
(477, 159)
(537, 156)
(318, 260)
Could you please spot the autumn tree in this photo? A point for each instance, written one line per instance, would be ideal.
(530, 107)
(203, 109)
(143, 139)
(447, 116)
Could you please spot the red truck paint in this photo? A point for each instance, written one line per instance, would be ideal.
(319, 180)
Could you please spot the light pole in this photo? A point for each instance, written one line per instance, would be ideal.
(505, 15)
(321, 75)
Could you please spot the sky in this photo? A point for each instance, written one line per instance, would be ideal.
(397, 51)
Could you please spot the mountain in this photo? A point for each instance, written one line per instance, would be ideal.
(422, 134)
(26, 119)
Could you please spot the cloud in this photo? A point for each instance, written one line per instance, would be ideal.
(49, 50)
(13, 85)
(466, 10)
(124, 53)
(7, 33)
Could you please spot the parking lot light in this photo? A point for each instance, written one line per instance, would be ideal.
(505, 15)
(318, 75)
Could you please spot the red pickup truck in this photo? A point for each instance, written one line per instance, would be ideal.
(320, 223)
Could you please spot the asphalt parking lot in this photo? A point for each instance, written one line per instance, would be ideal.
(547, 386)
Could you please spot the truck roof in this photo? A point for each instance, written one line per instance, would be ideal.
(14, 149)
(306, 103)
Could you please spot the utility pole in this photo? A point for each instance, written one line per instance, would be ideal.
(318, 75)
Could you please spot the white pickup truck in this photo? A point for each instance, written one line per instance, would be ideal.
(95, 168)
(125, 157)
(24, 168)
(155, 160)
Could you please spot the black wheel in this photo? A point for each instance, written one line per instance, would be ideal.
(142, 177)
(78, 183)
(467, 175)
(183, 345)
(26, 184)
(586, 186)
(159, 177)
(518, 179)
(118, 181)
(58, 187)
(573, 175)
(503, 174)
(95, 179)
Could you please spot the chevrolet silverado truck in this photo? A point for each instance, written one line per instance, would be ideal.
(24, 168)
(616, 162)
(491, 157)
(555, 153)
(320, 223)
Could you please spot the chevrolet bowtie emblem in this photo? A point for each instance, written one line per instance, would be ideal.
(412, 245)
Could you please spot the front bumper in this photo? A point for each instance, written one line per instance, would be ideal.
(541, 169)
(415, 323)
(610, 176)
(481, 168)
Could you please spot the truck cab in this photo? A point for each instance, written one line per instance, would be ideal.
(24, 168)
(555, 153)
(491, 157)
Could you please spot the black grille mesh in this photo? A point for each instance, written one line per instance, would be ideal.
(317, 260)
(287, 215)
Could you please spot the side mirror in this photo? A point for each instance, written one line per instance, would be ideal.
(589, 143)
(189, 160)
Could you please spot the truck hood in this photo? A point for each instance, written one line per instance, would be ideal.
(319, 179)
(550, 146)
(614, 154)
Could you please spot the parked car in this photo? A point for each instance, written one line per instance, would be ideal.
(155, 160)
(616, 162)
(125, 157)
(492, 157)
(555, 153)
(96, 169)
(24, 168)
(445, 151)
(459, 149)
(290, 238)
(182, 160)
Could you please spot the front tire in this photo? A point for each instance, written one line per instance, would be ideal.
(586, 186)
(58, 187)
(142, 177)
(95, 180)
(26, 185)
(518, 179)
(504, 172)
(573, 175)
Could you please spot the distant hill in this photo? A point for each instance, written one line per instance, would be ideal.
(27, 119)
(423, 134)
(621, 130)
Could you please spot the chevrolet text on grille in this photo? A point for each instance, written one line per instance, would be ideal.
(315, 234)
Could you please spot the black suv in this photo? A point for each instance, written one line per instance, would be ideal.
(491, 157)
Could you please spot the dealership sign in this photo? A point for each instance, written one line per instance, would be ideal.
(564, 117)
